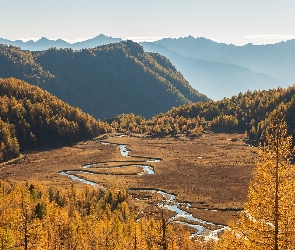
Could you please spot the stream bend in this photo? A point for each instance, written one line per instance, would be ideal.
(168, 202)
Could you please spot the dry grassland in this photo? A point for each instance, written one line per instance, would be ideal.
(212, 173)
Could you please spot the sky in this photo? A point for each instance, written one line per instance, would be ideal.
(228, 21)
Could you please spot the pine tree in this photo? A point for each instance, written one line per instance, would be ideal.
(268, 219)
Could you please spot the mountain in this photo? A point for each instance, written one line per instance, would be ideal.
(215, 69)
(22, 65)
(44, 43)
(219, 70)
(275, 60)
(216, 79)
(31, 118)
(94, 42)
(104, 81)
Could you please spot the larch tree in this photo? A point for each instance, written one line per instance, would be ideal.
(268, 219)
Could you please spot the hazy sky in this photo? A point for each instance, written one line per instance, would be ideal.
(230, 21)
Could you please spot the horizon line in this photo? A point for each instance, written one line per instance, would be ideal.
(275, 38)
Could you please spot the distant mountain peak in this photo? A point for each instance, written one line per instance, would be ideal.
(44, 43)
(219, 69)
(190, 37)
(101, 36)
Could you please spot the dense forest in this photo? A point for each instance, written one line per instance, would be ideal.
(104, 81)
(37, 217)
(249, 112)
(31, 117)
(21, 64)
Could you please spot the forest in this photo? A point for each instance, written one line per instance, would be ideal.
(31, 118)
(104, 81)
(36, 217)
(248, 113)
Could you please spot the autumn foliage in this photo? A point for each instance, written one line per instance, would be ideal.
(36, 217)
(31, 118)
(268, 219)
(248, 113)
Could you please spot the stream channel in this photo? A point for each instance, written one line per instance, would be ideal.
(169, 202)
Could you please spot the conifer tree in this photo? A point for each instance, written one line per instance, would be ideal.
(268, 219)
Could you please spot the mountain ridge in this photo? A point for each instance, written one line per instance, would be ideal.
(104, 81)
(44, 43)
(212, 77)
(275, 60)
(221, 70)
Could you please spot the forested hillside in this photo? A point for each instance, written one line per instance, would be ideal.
(22, 65)
(31, 117)
(104, 81)
(249, 112)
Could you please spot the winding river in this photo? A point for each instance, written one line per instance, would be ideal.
(168, 202)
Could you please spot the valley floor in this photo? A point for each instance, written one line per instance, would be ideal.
(211, 173)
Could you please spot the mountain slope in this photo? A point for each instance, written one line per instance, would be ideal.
(275, 60)
(250, 112)
(21, 64)
(216, 80)
(31, 117)
(107, 80)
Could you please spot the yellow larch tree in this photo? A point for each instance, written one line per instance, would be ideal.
(268, 219)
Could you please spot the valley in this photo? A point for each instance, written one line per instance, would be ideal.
(210, 173)
(147, 125)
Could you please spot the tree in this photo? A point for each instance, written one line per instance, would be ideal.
(268, 219)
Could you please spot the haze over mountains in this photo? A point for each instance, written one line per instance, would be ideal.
(215, 69)
(216, 79)
(259, 66)
(44, 43)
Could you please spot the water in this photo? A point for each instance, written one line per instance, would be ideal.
(147, 169)
(169, 200)
(171, 197)
(76, 178)
(182, 214)
(123, 150)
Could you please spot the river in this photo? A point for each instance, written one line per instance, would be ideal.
(169, 201)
